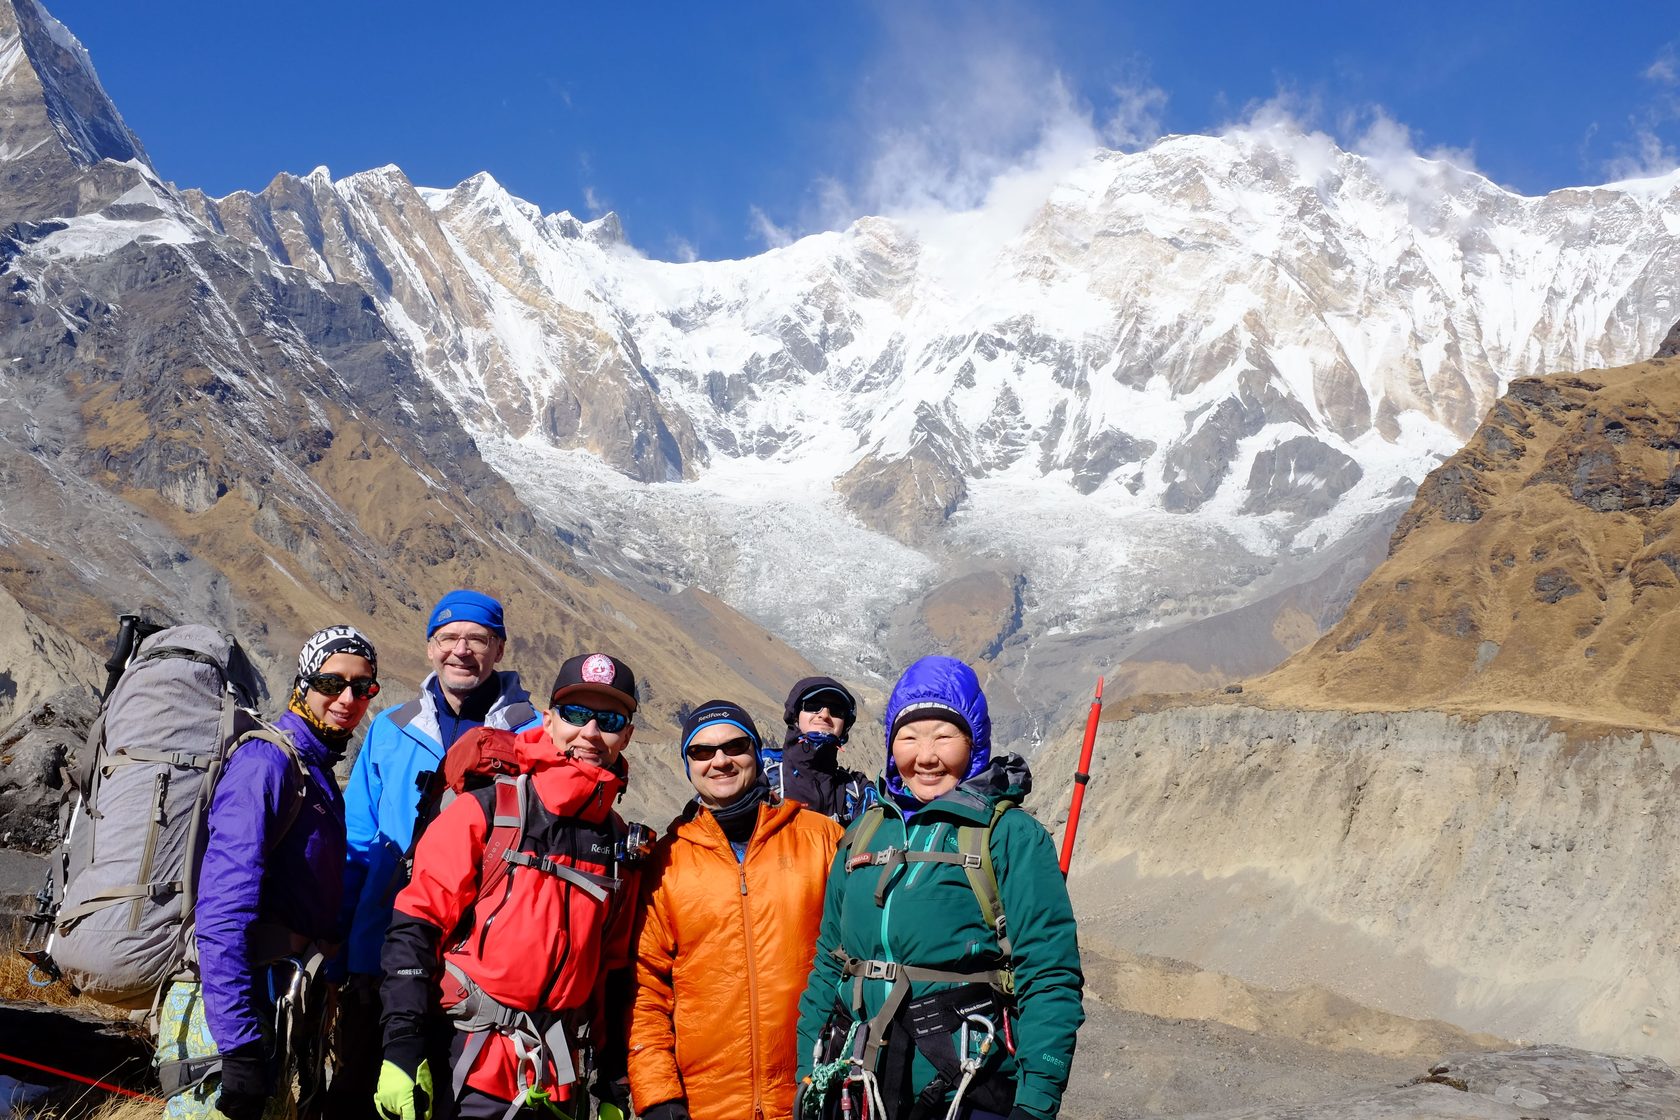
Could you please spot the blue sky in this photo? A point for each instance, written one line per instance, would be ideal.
(717, 129)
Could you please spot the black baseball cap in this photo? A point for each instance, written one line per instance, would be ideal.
(593, 672)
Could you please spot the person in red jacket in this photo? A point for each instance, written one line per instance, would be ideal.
(517, 911)
(733, 900)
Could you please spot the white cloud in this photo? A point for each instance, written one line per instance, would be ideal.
(593, 203)
(1665, 69)
(767, 231)
(682, 249)
(1392, 156)
(1646, 156)
(963, 113)
(1649, 152)
(1292, 124)
(1135, 121)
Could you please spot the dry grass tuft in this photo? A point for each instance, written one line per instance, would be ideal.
(15, 984)
(113, 1108)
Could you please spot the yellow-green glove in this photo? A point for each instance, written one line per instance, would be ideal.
(401, 1097)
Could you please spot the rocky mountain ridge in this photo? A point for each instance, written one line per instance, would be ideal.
(1194, 381)
(191, 429)
(1168, 390)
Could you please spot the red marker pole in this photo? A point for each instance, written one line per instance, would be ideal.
(1080, 777)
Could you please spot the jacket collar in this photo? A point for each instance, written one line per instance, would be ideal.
(696, 825)
(570, 787)
(424, 725)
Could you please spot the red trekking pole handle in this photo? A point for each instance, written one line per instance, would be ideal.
(1080, 778)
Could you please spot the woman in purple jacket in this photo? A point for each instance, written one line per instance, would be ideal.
(269, 889)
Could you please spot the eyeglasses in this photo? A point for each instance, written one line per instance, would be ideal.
(331, 684)
(815, 703)
(734, 748)
(579, 715)
(478, 643)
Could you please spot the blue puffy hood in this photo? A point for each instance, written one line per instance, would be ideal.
(932, 684)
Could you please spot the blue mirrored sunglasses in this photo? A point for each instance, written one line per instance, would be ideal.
(579, 715)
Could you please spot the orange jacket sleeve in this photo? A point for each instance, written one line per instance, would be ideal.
(654, 1078)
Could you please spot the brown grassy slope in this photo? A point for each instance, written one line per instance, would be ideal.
(1538, 569)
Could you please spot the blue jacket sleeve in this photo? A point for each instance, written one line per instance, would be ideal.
(244, 813)
(368, 864)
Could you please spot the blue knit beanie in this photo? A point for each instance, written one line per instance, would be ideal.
(467, 606)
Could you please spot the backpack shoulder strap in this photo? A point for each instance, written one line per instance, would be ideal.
(975, 841)
(507, 829)
(296, 789)
(861, 831)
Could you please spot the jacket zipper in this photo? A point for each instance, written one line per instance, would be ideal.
(934, 836)
(752, 981)
(507, 893)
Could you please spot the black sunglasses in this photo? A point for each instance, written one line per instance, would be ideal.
(734, 748)
(816, 703)
(331, 684)
(579, 715)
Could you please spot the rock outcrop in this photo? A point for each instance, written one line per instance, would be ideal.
(38, 753)
(1670, 347)
(1505, 873)
(1537, 570)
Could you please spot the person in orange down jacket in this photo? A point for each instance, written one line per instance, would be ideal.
(732, 900)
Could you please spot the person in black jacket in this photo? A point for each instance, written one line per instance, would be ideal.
(819, 714)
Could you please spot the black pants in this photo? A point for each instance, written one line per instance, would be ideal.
(357, 1054)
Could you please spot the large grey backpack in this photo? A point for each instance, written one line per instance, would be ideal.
(131, 855)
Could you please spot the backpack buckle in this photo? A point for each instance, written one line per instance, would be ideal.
(971, 860)
(880, 970)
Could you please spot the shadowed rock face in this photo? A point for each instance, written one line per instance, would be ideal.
(1195, 468)
(66, 147)
(36, 754)
(913, 494)
(1670, 347)
(1300, 476)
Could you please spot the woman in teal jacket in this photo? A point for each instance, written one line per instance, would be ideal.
(947, 979)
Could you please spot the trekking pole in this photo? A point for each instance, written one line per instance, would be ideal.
(128, 636)
(1080, 777)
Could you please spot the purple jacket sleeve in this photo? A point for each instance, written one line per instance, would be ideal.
(245, 810)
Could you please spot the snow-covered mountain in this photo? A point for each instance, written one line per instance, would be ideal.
(1167, 388)
(1193, 382)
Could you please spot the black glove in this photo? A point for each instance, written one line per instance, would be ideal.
(1021, 1114)
(245, 1088)
(666, 1110)
(614, 1091)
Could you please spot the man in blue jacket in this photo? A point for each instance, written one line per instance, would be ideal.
(465, 640)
